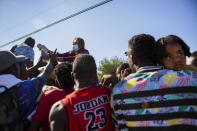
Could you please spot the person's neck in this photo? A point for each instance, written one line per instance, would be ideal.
(80, 49)
(29, 45)
(142, 64)
(80, 85)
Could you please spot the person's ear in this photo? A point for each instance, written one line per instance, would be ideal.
(134, 60)
(97, 78)
(79, 45)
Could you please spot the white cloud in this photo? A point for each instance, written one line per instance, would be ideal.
(38, 23)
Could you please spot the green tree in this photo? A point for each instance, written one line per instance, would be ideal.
(108, 66)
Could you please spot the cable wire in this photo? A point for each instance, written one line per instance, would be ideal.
(56, 22)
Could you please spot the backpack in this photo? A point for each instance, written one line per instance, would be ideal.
(9, 115)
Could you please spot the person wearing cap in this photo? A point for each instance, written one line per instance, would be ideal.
(27, 90)
(26, 49)
(78, 48)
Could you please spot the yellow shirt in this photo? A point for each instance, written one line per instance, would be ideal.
(190, 67)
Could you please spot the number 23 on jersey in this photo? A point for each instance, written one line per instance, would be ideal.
(97, 119)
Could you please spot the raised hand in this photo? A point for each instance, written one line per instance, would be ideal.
(53, 56)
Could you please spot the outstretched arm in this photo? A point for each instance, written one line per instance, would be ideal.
(57, 117)
(53, 59)
(33, 71)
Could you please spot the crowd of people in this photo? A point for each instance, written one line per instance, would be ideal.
(155, 90)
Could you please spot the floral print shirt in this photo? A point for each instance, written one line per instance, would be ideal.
(155, 98)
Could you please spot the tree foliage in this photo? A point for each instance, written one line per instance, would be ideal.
(108, 66)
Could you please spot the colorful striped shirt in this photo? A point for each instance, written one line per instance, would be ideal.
(156, 99)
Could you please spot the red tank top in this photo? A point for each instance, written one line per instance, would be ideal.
(88, 109)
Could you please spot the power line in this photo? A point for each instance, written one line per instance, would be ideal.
(56, 22)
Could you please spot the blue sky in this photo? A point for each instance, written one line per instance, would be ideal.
(106, 29)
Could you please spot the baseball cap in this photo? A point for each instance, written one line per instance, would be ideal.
(7, 59)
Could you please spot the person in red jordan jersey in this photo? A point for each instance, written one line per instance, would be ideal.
(64, 79)
(88, 107)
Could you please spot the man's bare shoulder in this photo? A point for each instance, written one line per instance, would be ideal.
(57, 117)
(57, 108)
